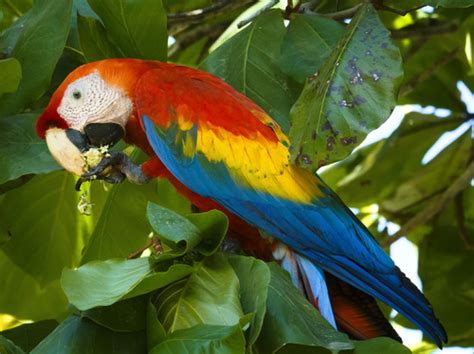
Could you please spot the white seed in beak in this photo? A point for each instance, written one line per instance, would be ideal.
(64, 151)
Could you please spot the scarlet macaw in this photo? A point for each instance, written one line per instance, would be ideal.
(219, 147)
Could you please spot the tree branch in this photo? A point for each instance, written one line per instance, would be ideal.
(434, 207)
(249, 19)
(426, 31)
(343, 14)
(198, 15)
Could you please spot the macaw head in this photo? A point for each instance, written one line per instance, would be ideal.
(90, 108)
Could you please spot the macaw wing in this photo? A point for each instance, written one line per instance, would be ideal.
(221, 145)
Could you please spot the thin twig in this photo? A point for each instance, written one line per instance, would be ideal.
(427, 31)
(74, 50)
(13, 8)
(397, 11)
(343, 14)
(213, 10)
(434, 207)
(426, 74)
(257, 13)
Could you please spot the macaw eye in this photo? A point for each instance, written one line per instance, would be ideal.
(76, 94)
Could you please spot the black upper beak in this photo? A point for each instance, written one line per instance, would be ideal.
(96, 134)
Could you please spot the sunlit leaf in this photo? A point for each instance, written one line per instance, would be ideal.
(353, 93)
(103, 283)
(210, 296)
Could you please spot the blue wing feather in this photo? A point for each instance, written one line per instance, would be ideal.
(326, 232)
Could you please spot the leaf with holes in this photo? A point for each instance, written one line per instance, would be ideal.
(248, 61)
(210, 295)
(353, 93)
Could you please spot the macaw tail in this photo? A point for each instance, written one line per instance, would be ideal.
(345, 307)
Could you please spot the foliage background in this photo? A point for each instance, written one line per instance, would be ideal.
(41, 232)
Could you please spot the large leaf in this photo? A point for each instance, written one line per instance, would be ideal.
(210, 295)
(38, 46)
(445, 266)
(286, 305)
(30, 300)
(203, 232)
(94, 41)
(10, 75)
(103, 283)
(80, 335)
(137, 27)
(353, 93)
(21, 151)
(122, 227)
(307, 43)
(249, 62)
(203, 339)
(254, 278)
(47, 232)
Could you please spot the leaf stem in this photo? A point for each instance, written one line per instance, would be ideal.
(256, 14)
(433, 208)
(74, 50)
(13, 8)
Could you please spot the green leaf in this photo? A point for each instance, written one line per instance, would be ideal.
(155, 332)
(10, 75)
(380, 345)
(124, 316)
(445, 268)
(249, 62)
(21, 151)
(210, 295)
(27, 336)
(203, 232)
(47, 232)
(353, 93)
(80, 335)
(94, 41)
(30, 300)
(203, 339)
(122, 227)
(286, 305)
(137, 27)
(307, 43)
(8, 347)
(376, 174)
(254, 278)
(38, 47)
(409, 4)
(103, 283)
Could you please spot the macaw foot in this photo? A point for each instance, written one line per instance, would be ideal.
(122, 167)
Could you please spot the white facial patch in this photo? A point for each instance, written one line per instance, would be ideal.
(91, 100)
